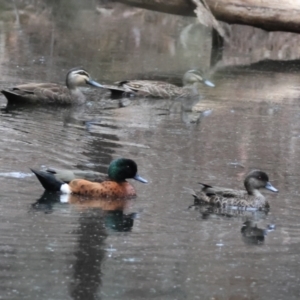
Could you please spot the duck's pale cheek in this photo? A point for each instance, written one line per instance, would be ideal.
(65, 188)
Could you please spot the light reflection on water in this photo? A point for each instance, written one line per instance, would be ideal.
(155, 247)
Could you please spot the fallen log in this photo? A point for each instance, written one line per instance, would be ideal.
(176, 7)
(271, 15)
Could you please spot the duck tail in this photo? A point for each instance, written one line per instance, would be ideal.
(199, 197)
(205, 185)
(193, 193)
(7, 93)
(48, 181)
(190, 191)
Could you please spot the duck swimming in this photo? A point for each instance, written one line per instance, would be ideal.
(159, 89)
(52, 93)
(115, 186)
(249, 199)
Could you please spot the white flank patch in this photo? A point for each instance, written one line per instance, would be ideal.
(65, 189)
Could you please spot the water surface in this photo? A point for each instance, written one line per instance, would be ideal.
(154, 247)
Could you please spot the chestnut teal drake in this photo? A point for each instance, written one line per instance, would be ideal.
(115, 186)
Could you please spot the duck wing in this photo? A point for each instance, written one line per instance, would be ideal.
(156, 89)
(219, 196)
(66, 175)
(117, 90)
(38, 92)
(114, 87)
(221, 191)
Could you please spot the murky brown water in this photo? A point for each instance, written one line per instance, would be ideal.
(156, 248)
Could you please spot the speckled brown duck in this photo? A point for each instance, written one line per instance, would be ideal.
(52, 93)
(115, 187)
(251, 198)
(159, 89)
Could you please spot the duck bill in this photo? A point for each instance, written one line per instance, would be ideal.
(94, 83)
(139, 178)
(208, 83)
(270, 187)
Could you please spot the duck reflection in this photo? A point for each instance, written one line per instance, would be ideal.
(251, 233)
(185, 106)
(113, 216)
(208, 211)
(97, 218)
(254, 235)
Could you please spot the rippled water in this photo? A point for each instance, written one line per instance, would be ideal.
(153, 247)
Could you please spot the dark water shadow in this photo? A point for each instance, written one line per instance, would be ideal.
(94, 226)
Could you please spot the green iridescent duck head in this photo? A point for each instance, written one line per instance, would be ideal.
(122, 168)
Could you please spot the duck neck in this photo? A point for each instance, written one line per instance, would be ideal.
(114, 174)
(254, 192)
(76, 95)
(251, 189)
(258, 196)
